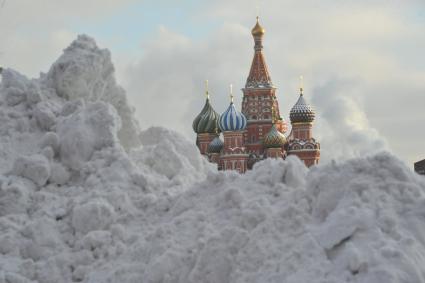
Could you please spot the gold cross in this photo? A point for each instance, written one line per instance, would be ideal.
(231, 93)
(301, 84)
(206, 89)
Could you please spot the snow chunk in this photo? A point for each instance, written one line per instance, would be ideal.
(59, 175)
(94, 215)
(50, 139)
(15, 196)
(35, 167)
(13, 79)
(44, 116)
(14, 96)
(71, 106)
(34, 94)
(168, 154)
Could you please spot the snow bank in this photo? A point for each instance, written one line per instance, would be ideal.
(85, 196)
(169, 160)
(86, 72)
(89, 129)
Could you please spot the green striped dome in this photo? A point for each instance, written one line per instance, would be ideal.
(206, 121)
(274, 138)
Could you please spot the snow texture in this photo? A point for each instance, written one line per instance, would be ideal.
(85, 196)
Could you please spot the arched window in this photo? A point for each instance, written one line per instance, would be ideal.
(238, 165)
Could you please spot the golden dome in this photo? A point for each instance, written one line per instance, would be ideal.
(258, 30)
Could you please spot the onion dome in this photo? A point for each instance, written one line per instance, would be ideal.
(258, 30)
(206, 121)
(216, 145)
(232, 119)
(301, 112)
(274, 138)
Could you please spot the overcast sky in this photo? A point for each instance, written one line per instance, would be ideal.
(362, 61)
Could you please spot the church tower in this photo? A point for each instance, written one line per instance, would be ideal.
(302, 143)
(205, 124)
(233, 124)
(259, 98)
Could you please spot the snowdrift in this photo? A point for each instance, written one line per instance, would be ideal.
(85, 196)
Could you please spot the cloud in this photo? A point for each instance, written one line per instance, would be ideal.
(33, 33)
(343, 127)
(167, 84)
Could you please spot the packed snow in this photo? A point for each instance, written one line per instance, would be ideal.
(86, 196)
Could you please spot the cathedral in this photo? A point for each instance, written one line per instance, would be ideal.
(258, 131)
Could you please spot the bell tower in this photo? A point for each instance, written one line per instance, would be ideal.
(259, 98)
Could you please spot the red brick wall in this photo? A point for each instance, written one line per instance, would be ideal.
(203, 142)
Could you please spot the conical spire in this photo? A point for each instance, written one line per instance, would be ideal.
(259, 76)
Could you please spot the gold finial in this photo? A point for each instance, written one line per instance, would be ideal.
(258, 30)
(206, 89)
(231, 93)
(301, 85)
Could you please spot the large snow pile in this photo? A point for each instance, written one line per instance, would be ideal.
(85, 196)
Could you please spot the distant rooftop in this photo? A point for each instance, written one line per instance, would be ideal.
(420, 167)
